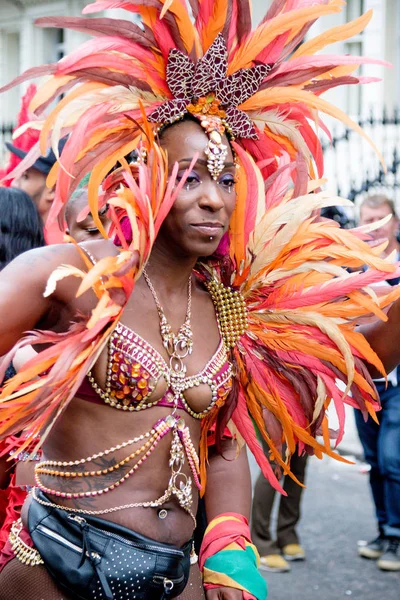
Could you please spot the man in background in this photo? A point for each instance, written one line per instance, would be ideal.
(381, 443)
(33, 180)
(278, 549)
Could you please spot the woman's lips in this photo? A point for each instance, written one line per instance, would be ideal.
(209, 229)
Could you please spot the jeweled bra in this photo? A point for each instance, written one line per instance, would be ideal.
(134, 368)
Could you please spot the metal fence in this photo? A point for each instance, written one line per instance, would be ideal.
(351, 165)
(6, 130)
(353, 168)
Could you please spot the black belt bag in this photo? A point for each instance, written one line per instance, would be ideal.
(94, 558)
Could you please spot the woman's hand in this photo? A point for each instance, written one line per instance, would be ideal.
(224, 593)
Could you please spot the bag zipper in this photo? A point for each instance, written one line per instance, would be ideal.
(167, 580)
(59, 538)
(179, 553)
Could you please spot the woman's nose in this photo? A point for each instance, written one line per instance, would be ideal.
(211, 198)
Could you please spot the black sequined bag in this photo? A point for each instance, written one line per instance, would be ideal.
(95, 558)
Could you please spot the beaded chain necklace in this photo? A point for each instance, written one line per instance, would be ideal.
(177, 346)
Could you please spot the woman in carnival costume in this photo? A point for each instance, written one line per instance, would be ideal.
(225, 309)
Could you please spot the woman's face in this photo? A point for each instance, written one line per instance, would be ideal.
(202, 210)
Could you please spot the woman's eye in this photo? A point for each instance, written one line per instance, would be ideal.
(191, 180)
(103, 210)
(227, 182)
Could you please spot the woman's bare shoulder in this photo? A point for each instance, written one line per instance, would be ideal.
(46, 259)
(99, 249)
(30, 271)
(23, 303)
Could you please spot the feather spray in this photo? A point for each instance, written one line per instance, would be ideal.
(298, 301)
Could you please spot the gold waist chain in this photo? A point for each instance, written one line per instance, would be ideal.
(179, 486)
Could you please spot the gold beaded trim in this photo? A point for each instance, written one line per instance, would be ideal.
(231, 311)
(24, 553)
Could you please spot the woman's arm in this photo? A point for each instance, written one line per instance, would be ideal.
(384, 338)
(22, 304)
(228, 491)
(22, 284)
(228, 482)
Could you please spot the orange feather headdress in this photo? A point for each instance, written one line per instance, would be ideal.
(265, 84)
(285, 299)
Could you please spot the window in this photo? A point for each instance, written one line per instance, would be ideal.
(354, 9)
(53, 44)
(60, 48)
(354, 46)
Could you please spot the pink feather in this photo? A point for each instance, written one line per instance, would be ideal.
(277, 184)
(100, 27)
(323, 293)
(29, 74)
(273, 51)
(337, 397)
(246, 429)
(252, 192)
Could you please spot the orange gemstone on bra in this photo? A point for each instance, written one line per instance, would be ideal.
(122, 378)
(142, 384)
(127, 390)
(135, 372)
(115, 367)
(118, 356)
(139, 397)
(120, 395)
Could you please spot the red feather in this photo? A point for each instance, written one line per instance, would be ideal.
(246, 429)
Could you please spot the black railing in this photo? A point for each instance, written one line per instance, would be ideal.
(353, 168)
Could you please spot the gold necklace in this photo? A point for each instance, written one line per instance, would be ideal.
(179, 345)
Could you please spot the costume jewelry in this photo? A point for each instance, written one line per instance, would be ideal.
(286, 303)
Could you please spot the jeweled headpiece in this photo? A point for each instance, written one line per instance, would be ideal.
(263, 87)
(206, 91)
